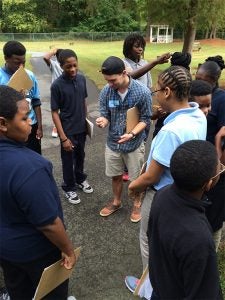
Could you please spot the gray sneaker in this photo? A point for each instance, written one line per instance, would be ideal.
(4, 294)
(72, 197)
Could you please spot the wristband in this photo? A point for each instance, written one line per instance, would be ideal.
(64, 140)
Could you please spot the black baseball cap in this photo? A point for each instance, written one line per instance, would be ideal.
(112, 65)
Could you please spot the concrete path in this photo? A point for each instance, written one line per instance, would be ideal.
(110, 246)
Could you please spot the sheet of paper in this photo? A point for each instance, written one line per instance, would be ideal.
(90, 128)
(53, 276)
(20, 80)
(133, 116)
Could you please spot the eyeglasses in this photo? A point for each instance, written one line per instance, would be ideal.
(222, 170)
(154, 92)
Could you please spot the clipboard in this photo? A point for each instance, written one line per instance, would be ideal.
(52, 277)
(89, 128)
(20, 80)
(132, 119)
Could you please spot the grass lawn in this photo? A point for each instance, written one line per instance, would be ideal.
(92, 54)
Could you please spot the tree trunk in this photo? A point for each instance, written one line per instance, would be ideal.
(190, 31)
(148, 22)
(189, 37)
(207, 33)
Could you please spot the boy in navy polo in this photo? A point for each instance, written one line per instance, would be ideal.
(68, 105)
(32, 231)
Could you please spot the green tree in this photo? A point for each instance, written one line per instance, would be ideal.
(19, 16)
(107, 15)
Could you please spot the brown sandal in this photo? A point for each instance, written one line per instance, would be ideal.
(109, 209)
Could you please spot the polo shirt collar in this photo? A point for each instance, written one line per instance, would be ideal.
(6, 142)
(193, 106)
(190, 201)
(66, 77)
(7, 70)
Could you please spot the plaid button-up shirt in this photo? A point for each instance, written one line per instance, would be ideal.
(114, 109)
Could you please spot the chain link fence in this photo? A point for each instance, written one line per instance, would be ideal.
(91, 36)
(61, 36)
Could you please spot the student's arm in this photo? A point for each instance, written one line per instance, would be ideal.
(38, 199)
(150, 177)
(146, 68)
(66, 142)
(55, 232)
(48, 56)
(39, 133)
(218, 143)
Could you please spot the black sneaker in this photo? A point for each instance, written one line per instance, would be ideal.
(72, 198)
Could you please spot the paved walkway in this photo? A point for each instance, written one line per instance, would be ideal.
(110, 246)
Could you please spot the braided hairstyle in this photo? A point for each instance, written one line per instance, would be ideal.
(177, 79)
(181, 59)
(129, 42)
(217, 59)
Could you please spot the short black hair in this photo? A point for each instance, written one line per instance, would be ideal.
(58, 51)
(13, 48)
(65, 54)
(193, 164)
(129, 42)
(200, 88)
(212, 70)
(8, 101)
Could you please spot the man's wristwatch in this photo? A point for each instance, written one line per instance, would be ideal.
(133, 134)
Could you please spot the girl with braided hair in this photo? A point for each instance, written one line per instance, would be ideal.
(210, 71)
(185, 122)
(177, 59)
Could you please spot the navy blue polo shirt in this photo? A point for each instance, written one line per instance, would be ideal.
(216, 117)
(28, 199)
(68, 96)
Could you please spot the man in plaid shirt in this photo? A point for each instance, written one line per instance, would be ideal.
(122, 148)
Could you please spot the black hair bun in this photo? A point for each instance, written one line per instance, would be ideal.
(181, 59)
(217, 59)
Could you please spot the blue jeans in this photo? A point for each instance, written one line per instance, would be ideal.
(73, 163)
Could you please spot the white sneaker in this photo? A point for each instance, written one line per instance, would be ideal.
(71, 298)
(85, 186)
(72, 197)
(54, 132)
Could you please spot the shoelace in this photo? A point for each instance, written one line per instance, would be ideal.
(72, 194)
(85, 184)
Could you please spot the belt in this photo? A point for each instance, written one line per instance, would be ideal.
(152, 188)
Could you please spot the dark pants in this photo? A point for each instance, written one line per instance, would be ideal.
(73, 163)
(22, 279)
(33, 143)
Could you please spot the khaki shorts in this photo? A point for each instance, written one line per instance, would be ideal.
(116, 161)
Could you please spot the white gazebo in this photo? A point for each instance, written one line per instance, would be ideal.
(161, 34)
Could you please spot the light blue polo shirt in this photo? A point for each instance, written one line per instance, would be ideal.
(33, 94)
(180, 126)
